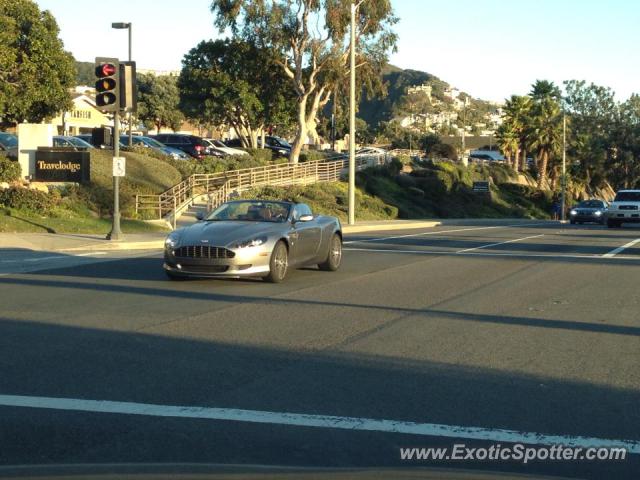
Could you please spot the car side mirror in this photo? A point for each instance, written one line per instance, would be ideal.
(200, 216)
(305, 218)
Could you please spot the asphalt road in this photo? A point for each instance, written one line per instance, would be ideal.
(532, 329)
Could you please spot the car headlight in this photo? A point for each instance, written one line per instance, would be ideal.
(574, 212)
(254, 242)
(171, 241)
(597, 213)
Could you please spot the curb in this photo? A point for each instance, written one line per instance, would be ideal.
(392, 226)
(148, 245)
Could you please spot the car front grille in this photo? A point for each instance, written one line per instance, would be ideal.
(203, 251)
(628, 207)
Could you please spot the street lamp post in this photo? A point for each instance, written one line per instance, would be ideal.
(121, 26)
(352, 119)
(564, 167)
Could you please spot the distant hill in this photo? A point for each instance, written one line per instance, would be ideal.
(376, 110)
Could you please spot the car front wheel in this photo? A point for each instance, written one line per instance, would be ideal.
(279, 263)
(334, 255)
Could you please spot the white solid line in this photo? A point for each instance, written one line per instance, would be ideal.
(499, 243)
(38, 259)
(382, 239)
(90, 254)
(618, 250)
(318, 421)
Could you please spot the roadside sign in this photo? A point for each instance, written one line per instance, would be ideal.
(119, 164)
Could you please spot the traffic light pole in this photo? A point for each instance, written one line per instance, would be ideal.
(116, 233)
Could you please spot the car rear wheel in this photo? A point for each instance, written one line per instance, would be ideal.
(279, 263)
(334, 255)
(572, 221)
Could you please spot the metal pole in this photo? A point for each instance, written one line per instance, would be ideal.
(130, 121)
(564, 166)
(352, 120)
(115, 233)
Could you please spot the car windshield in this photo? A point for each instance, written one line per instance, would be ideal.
(8, 140)
(218, 143)
(78, 142)
(152, 142)
(628, 196)
(251, 211)
(591, 204)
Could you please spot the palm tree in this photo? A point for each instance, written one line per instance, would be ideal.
(545, 134)
(508, 141)
(517, 110)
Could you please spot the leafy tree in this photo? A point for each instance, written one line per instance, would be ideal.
(311, 38)
(35, 71)
(509, 142)
(85, 73)
(593, 115)
(158, 99)
(238, 84)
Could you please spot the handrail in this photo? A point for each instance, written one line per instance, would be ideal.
(218, 187)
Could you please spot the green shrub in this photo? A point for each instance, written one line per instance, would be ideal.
(312, 155)
(10, 170)
(260, 154)
(403, 159)
(27, 199)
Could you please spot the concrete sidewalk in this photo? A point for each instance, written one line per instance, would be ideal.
(151, 241)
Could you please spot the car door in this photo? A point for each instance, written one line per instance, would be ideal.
(307, 234)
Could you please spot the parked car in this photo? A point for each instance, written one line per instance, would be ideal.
(589, 211)
(87, 137)
(148, 142)
(71, 142)
(9, 144)
(193, 145)
(218, 146)
(254, 238)
(625, 208)
(277, 145)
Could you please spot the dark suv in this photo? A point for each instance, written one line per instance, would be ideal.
(195, 146)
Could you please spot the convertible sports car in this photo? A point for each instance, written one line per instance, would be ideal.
(254, 238)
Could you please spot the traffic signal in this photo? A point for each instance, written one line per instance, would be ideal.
(108, 84)
(128, 87)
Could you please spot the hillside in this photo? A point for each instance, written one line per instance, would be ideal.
(396, 101)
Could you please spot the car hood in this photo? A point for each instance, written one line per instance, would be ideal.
(222, 234)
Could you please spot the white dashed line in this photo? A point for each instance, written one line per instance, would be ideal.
(499, 243)
(317, 421)
(439, 232)
(621, 249)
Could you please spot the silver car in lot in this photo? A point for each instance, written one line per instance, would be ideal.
(254, 238)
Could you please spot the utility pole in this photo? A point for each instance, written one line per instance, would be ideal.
(564, 166)
(352, 119)
(116, 233)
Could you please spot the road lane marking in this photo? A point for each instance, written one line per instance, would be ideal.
(382, 239)
(492, 254)
(313, 420)
(618, 250)
(499, 243)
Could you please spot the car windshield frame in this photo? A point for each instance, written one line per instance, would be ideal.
(78, 142)
(256, 211)
(591, 204)
(628, 196)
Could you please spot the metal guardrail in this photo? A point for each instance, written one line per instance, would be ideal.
(218, 187)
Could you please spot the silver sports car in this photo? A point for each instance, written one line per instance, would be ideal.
(254, 238)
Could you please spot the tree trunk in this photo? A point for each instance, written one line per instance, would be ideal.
(542, 170)
(516, 160)
(524, 165)
(301, 135)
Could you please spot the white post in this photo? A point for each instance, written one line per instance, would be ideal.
(564, 166)
(352, 120)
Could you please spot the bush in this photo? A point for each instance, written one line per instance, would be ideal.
(260, 154)
(27, 199)
(312, 155)
(10, 170)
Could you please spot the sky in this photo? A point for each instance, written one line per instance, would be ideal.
(490, 49)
